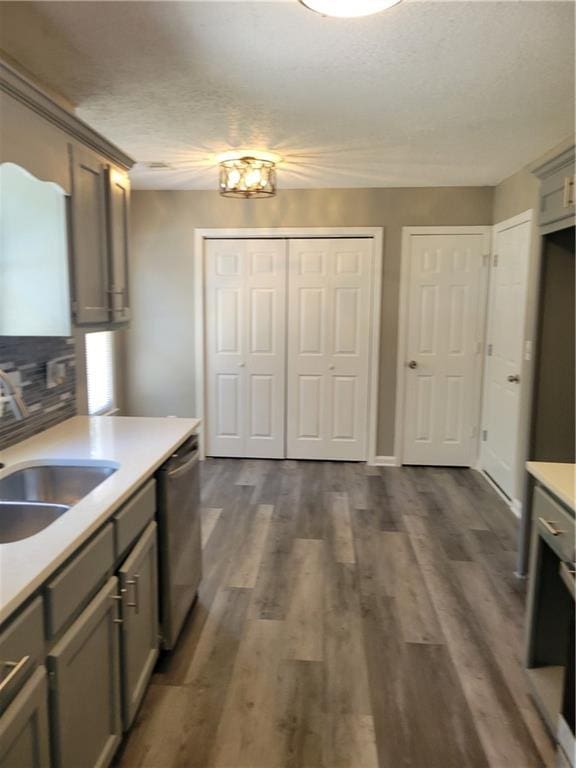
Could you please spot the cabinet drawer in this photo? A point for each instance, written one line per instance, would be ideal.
(134, 517)
(73, 587)
(23, 637)
(24, 737)
(555, 524)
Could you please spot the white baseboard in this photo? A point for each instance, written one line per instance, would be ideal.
(515, 505)
(385, 461)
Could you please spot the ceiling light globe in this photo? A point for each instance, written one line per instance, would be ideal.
(348, 8)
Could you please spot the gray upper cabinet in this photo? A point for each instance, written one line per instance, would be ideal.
(85, 686)
(118, 207)
(557, 192)
(54, 145)
(99, 223)
(24, 734)
(89, 238)
(139, 589)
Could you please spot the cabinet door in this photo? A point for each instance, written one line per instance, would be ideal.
(557, 192)
(89, 238)
(139, 588)
(85, 686)
(24, 740)
(118, 206)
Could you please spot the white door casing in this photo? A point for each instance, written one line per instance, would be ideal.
(443, 324)
(500, 449)
(245, 347)
(328, 348)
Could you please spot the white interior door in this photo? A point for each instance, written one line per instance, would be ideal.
(443, 330)
(502, 381)
(328, 344)
(245, 347)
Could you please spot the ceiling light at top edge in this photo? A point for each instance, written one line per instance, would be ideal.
(348, 8)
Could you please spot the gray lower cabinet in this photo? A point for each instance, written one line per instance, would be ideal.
(24, 739)
(139, 590)
(85, 686)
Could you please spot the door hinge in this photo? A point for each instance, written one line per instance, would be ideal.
(495, 261)
(74, 308)
(489, 350)
(484, 435)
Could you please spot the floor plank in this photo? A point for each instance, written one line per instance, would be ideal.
(348, 617)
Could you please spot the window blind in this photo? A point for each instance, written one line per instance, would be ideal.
(100, 372)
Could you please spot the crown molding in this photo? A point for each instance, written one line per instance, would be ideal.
(24, 90)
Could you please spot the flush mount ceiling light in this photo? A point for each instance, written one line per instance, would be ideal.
(348, 8)
(248, 176)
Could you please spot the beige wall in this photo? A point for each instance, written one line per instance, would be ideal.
(160, 348)
(516, 194)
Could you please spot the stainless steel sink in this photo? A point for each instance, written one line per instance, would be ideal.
(54, 484)
(19, 520)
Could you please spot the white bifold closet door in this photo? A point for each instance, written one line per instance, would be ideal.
(245, 347)
(328, 348)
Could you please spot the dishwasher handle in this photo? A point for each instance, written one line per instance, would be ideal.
(184, 467)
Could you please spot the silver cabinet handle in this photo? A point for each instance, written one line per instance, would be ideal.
(16, 668)
(550, 527)
(412, 364)
(513, 378)
(134, 582)
(568, 190)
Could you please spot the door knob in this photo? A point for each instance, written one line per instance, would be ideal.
(412, 364)
(330, 367)
(514, 378)
(241, 365)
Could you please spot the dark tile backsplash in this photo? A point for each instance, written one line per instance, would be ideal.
(29, 355)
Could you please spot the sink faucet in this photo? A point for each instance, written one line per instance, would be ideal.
(15, 400)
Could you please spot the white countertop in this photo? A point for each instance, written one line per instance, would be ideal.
(558, 478)
(137, 445)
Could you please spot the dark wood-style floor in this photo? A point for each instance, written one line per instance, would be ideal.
(349, 617)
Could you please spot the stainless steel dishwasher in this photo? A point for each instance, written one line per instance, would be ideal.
(179, 538)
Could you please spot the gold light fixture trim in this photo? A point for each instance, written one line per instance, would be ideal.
(248, 175)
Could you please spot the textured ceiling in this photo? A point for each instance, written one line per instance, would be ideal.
(438, 93)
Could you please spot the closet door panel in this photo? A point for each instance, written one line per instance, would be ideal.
(266, 343)
(225, 347)
(245, 347)
(328, 343)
